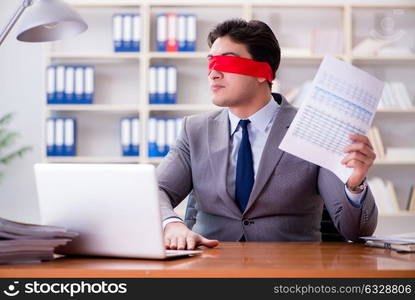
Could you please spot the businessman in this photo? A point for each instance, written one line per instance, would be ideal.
(244, 186)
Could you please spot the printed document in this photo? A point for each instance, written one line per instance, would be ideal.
(341, 101)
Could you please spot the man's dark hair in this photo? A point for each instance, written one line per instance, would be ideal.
(256, 35)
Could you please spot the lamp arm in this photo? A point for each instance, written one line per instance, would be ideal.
(6, 30)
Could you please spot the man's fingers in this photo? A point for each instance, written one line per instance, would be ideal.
(361, 138)
(355, 164)
(191, 243)
(208, 243)
(357, 156)
(173, 243)
(362, 148)
(167, 243)
(181, 243)
(178, 236)
(360, 143)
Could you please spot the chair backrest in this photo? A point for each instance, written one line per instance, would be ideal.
(329, 232)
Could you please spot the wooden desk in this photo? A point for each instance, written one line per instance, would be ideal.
(237, 260)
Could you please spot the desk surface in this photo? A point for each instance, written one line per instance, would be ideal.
(237, 260)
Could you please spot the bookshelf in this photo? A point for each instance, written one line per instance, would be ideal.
(386, 162)
(122, 79)
(93, 108)
(184, 55)
(96, 56)
(93, 159)
(384, 59)
(396, 111)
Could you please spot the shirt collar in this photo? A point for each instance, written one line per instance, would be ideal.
(259, 120)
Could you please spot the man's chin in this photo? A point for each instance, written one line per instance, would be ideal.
(219, 102)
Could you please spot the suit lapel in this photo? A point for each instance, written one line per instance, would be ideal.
(218, 137)
(271, 154)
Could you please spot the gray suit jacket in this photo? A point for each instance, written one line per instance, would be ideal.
(287, 198)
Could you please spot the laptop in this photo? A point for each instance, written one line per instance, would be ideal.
(114, 208)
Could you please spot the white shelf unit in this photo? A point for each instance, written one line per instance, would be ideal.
(95, 56)
(96, 107)
(122, 78)
(384, 59)
(386, 162)
(93, 159)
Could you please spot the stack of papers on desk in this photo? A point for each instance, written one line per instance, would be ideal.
(21, 242)
(399, 242)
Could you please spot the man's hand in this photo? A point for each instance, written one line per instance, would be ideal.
(361, 158)
(178, 236)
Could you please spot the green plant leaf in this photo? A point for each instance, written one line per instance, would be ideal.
(19, 153)
(8, 140)
(6, 119)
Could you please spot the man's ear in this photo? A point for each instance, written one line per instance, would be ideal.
(260, 79)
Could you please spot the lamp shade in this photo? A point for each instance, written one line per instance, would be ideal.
(49, 20)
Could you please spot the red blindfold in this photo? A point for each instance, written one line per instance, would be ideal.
(240, 65)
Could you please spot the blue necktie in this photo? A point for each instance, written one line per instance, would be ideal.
(244, 169)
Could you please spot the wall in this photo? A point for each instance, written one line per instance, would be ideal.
(20, 92)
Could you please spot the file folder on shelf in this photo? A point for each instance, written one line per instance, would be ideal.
(60, 84)
(191, 33)
(136, 33)
(126, 32)
(69, 137)
(51, 84)
(79, 85)
(163, 84)
(162, 147)
(117, 20)
(161, 32)
(153, 85)
(89, 85)
(176, 32)
(126, 137)
(170, 133)
(171, 33)
(67, 84)
(162, 135)
(171, 84)
(130, 137)
(181, 32)
(135, 136)
(50, 137)
(61, 137)
(69, 89)
(152, 138)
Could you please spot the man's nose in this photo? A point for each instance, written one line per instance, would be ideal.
(215, 74)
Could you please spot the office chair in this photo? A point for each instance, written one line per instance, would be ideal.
(329, 232)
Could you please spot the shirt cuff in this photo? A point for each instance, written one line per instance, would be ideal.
(355, 199)
(171, 220)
